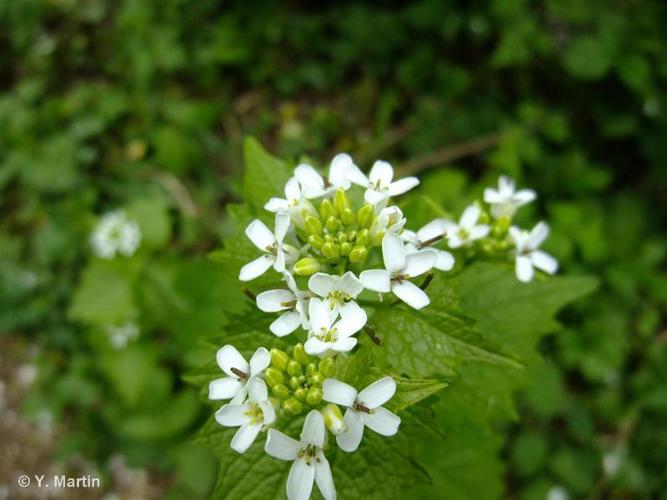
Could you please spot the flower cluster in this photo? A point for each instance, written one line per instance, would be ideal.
(331, 243)
(115, 234)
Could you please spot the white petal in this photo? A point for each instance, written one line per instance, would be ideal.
(411, 294)
(315, 346)
(319, 314)
(538, 235)
(323, 477)
(286, 324)
(356, 175)
(445, 261)
(350, 439)
(313, 429)
(260, 360)
(382, 421)
(260, 235)
(280, 446)
(292, 189)
(338, 170)
(524, 268)
(310, 179)
(544, 261)
(454, 241)
(256, 268)
(378, 393)
(470, 216)
(245, 436)
(345, 344)
(382, 172)
(393, 252)
(229, 357)
(321, 284)
(480, 231)
(232, 415)
(519, 237)
(257, 390)
(224, 388)
(350, 284)
(268, 411)
(282, 225)
(279, 261)
(377, 280)
(505, 186)
(338, 392)
(402, 186)
(376, 198)
(275, 300)
(524, 196)
(276, 205)
(420, 262)
(431, 230)
(492, 196)
(354, 320)
(300, 480)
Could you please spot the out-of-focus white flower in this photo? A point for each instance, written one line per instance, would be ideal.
(120, 335)
(26, 374)
(249, 417)
(428, 235)
(400, 266)
(557, 493)
(505, 200)
(327, 337)
(239, 373)
(341, 170)
(527, 254)
(380, 184)
(295, 203)
(364, 408)
(292, 301)
(276, 252)
(467, 230)
(115, 233)
(310, 465)
(612, 461)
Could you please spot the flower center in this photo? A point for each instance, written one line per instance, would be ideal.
(272, 248)
(255, 414)
(239, 373)
(361, 407)
(338, 298)
(399, 276)
(309, 453)
(326, 335)
(463, 233)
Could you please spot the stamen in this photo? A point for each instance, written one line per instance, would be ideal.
(240, 374)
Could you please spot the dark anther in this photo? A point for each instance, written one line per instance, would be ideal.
(371, 333)
(239, 373)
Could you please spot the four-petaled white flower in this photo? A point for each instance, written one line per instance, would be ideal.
(276, 252)
(250, 417)
(115, 233)
(467, 230)
(363, 409)
(428, 235)
(338, 292)
(380, 184)
(239, 373)
(310, 464)
(293, 301)
(341, 170)
(295, 203)
(325, 336)
(389, 220)
(400, 265)
(505, 200)
(527, 254)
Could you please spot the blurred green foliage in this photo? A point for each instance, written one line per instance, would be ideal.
(142, 105)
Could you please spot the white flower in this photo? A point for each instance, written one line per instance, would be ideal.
(115, 233)
(313, 185)
(557, 493)
(276, 252)
(380, 184)
(467, 230)
(310, 464)
(389, 220)
(506, 199)
(250, 417)
(294, 203)
(527, 254)
(120, 335)
(428, 235)
(327, 337)
(400, 266)
(338, 291)
(293, 301)
(240, 373)
(363, 409)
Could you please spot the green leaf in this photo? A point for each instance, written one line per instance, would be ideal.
(412, 391)
(265, 175)
(588, 58)
(151, 212)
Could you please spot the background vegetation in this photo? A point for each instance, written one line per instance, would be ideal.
(143, 105)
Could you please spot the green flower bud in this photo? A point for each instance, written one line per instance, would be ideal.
(358, 254)
(329, 238)
(314, 396)
(315, 241)
(275, 402)
(310, 369)
(366, 215)
(352, 235)
(294, 368)
(279, 359)
(280, 391)
(333, 224)
(294, 382)
(317, 378)
(292, 407)
(313, 225)
(341, 201)
(363, 237)
(307, 266)
(483, 218)
(301, 393)
(345, 248)
(341, 237)
(330, 250)
(302, 379)
(273, 376)
(327, 367)
(333, 419)
(377, 238)
(327, 209)
(347, 216)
